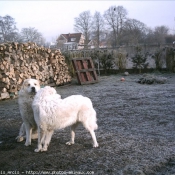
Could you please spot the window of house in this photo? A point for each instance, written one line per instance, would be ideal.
(74, 47)
(73, 39)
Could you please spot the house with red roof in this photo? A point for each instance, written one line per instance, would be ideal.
(71, 41)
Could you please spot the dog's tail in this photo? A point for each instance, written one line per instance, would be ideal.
(92, 125)
(95, 126)
(92, 122)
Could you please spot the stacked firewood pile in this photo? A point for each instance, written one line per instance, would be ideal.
(27, 60)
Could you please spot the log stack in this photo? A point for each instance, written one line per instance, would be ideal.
(19, 61)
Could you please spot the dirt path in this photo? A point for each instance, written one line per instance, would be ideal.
(136, 132)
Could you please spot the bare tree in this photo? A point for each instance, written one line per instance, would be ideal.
(149, 36)
(83, 24)
(160, 34)
(98, 26)
(31, 35)
(170, 38)
(8, 30)
(134, 31)
(115, 17)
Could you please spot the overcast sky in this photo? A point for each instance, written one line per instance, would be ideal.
(53, 18)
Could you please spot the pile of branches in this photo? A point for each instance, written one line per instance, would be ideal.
(151, 79)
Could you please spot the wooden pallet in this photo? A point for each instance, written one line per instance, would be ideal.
(85, 71)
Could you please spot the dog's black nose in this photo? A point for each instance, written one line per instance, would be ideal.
(33, 89)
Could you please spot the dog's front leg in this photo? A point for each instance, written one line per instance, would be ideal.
(73, 127)
(48, 137)
(28, 134)
(41, 139)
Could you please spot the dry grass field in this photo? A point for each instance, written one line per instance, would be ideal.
(136, 132)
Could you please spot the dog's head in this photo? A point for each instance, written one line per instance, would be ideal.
(46, 93)
(31, 86)
(47, 90)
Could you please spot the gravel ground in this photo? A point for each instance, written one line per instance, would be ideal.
(136, 133)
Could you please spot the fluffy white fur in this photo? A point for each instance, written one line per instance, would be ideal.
(51, 113)
(26, 95)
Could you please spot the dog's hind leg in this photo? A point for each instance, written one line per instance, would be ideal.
(28, 134)
(91, 127)
(22, 133)
(73, 127)
(48, 137)
(95, 144)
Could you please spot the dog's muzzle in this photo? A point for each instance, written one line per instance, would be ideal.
(33, 89)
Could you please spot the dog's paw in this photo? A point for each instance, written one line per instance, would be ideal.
(27, 144)
(19, 138)
(43, 149)
(95, 145)
(37, 150)
(69, 143)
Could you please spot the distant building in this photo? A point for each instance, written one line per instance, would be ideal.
(52, 45)
(71, 41)
(76, 41)
(92, 44)
(104, 44)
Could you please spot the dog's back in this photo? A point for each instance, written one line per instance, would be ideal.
(60, 113)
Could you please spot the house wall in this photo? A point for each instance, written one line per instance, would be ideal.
(60, 42)
(81, 42)
(70, 46)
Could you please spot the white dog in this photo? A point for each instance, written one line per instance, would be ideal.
(26, 95)
(51, 113)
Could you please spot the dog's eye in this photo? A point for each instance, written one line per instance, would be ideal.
(28, 84)
(35, 84)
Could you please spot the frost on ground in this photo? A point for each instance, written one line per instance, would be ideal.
(136, 131)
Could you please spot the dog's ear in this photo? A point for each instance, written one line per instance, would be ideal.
(38, 82)
(24, 84)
